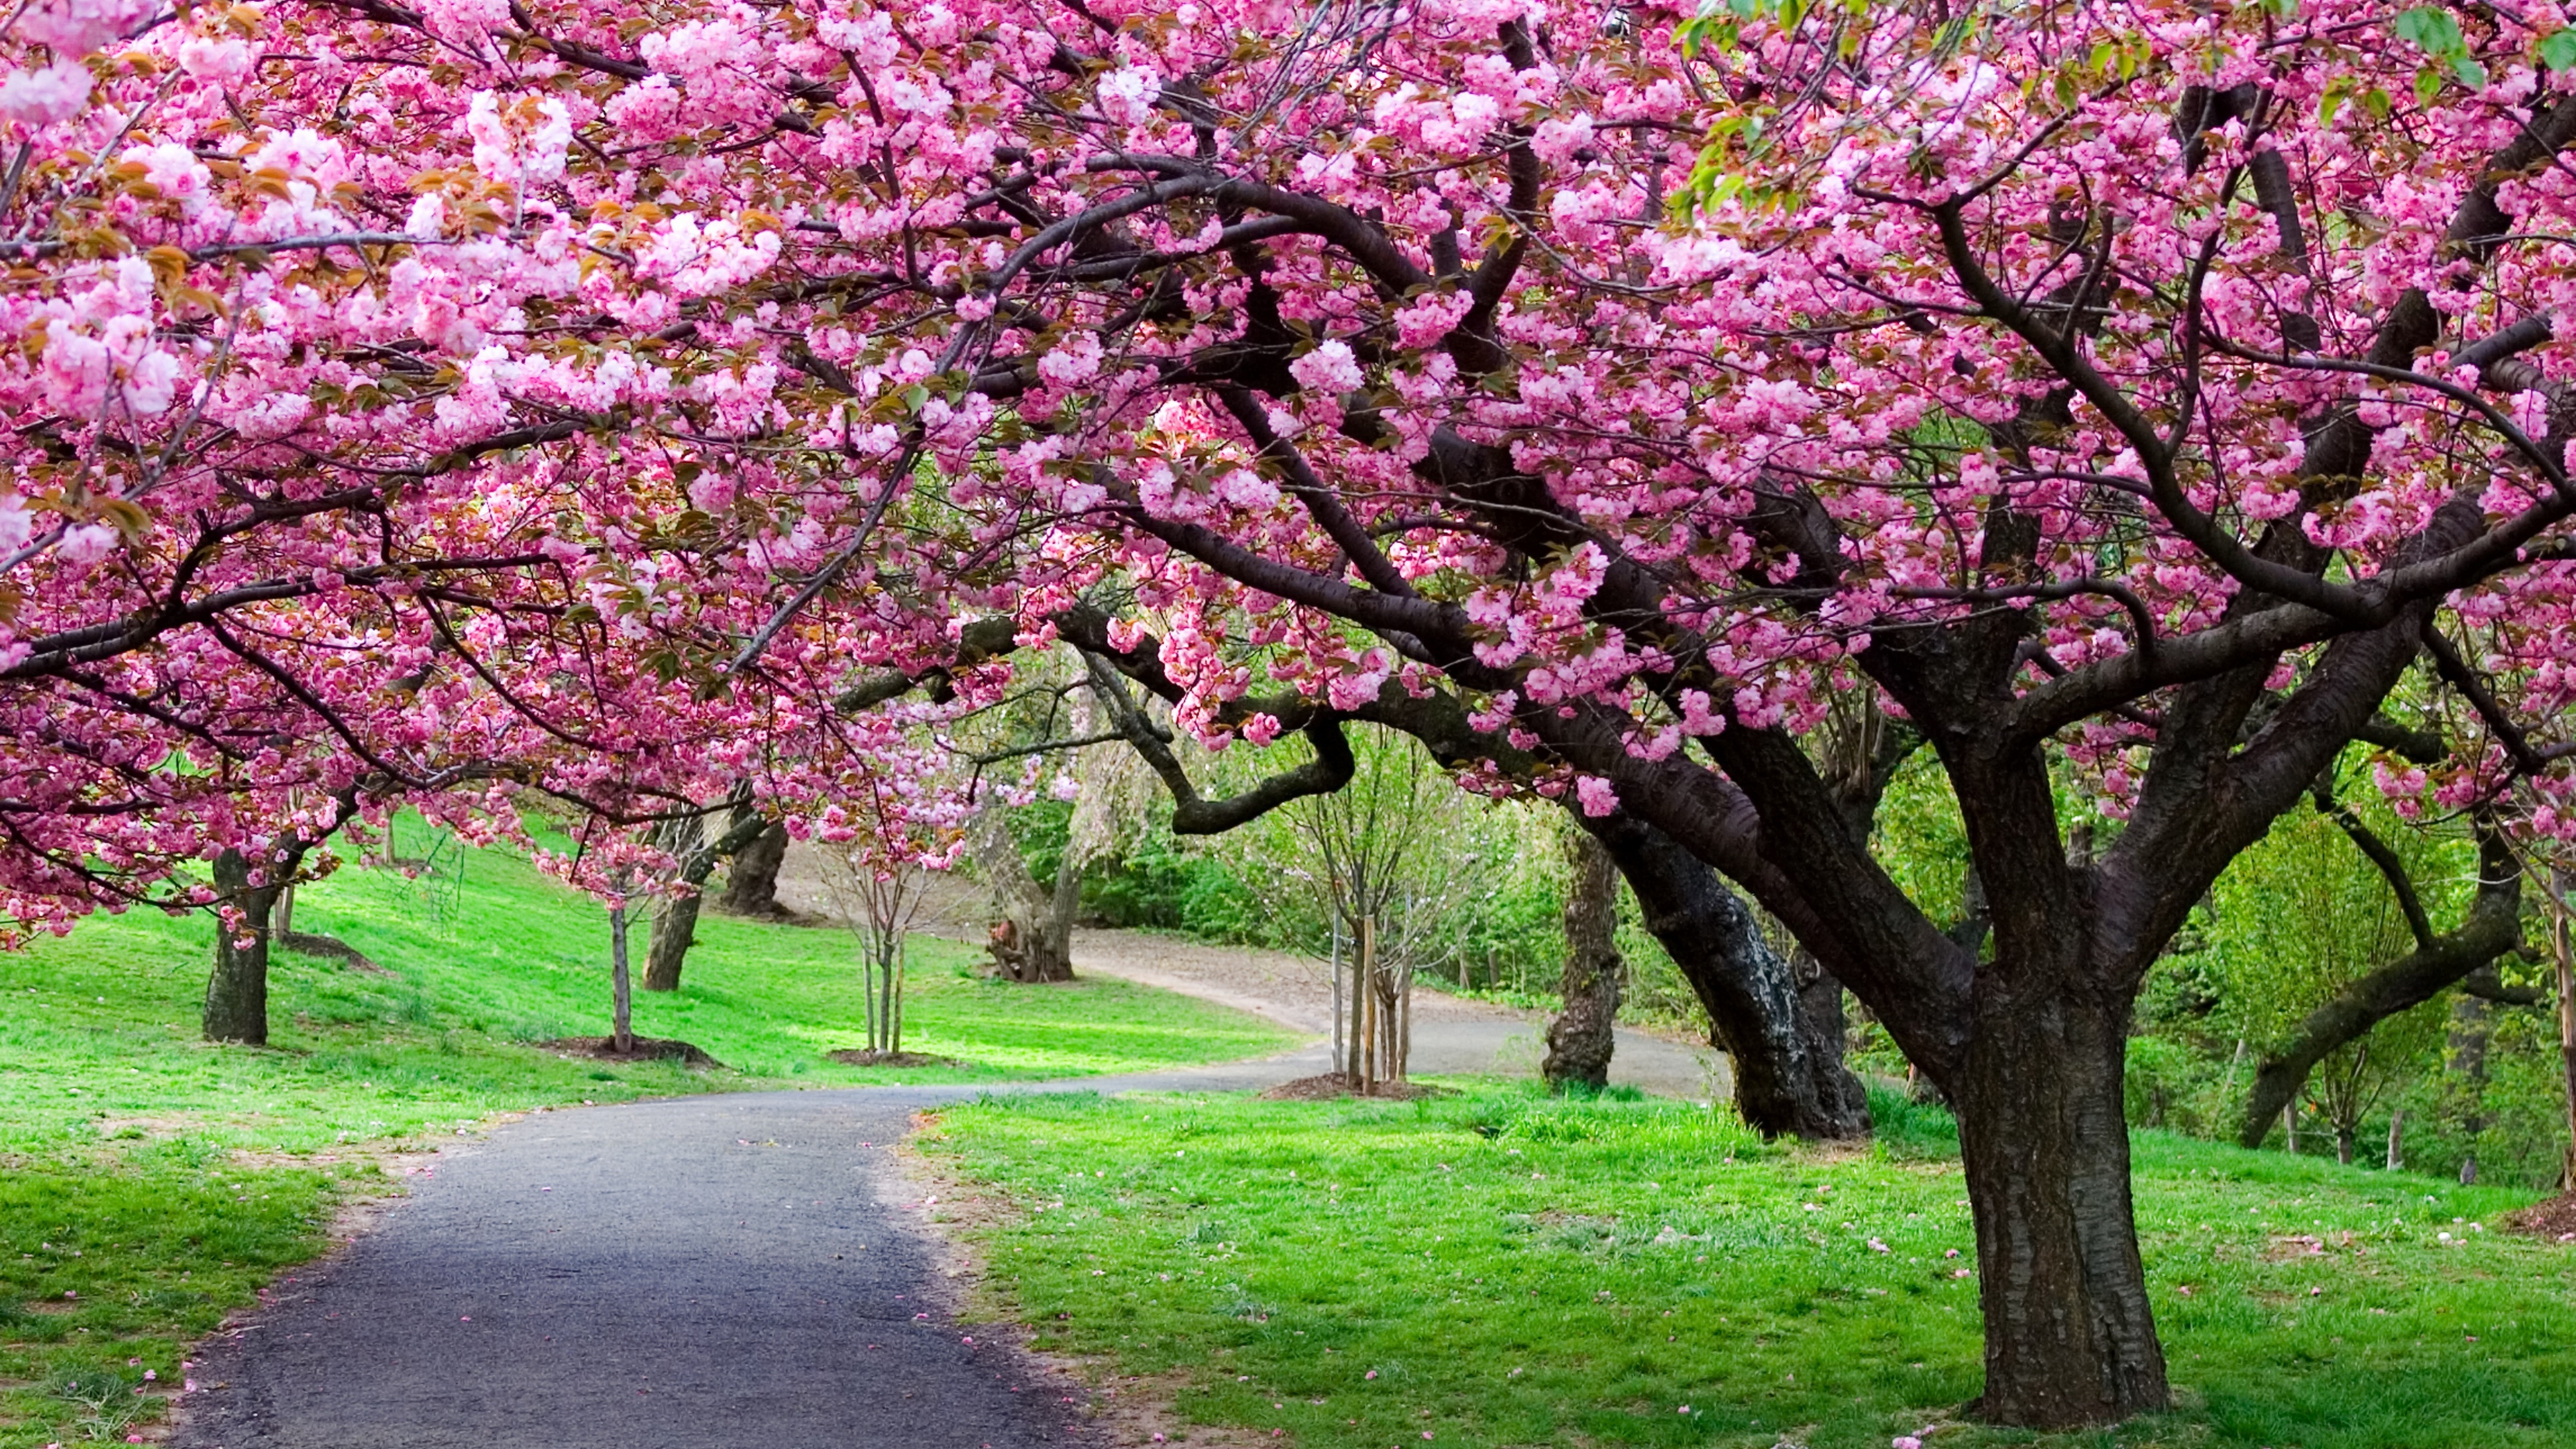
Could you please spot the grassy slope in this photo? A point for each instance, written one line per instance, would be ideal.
(1517, 1272)
(161, 1179)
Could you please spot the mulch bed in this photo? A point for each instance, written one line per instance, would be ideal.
(858, 1057)
(2555, 1218)
(647, 1049)
(314, 943)
(1332, 1085)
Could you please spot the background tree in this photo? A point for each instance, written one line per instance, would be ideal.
(2326, 938)
(1581, 1040)
(694, 858)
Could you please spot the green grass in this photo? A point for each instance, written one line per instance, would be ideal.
(162, 1179)
(1501, 1270)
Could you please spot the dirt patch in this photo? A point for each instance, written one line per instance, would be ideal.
(1134, 1408)
(313, 943)
(1332, 1085)
(856, 1057)
(647, 1049)
(2554, 1219)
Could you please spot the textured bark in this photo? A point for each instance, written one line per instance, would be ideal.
(1034, 940)
(237, 993)
(1582, 1037)
(1784, 1044)
(621, 986)
(675, 926)
(751, 886)
(2492, 927)
(675, 930)
(2472, 1027)
(2070, 1337)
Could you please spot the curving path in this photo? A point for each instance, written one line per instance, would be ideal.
(719, 1272)
(709, 1272)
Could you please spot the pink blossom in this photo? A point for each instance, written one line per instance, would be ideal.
(57, 92)
(1330, 367)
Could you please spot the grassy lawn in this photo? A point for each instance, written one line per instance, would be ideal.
(149, 1182)
(1501, 1270)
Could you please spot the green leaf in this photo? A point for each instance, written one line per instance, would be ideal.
(2558, 50)
(2432, 31)
(2428, 84)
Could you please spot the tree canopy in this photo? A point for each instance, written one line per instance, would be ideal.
(618, 403)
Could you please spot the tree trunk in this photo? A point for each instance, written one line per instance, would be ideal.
(621, 991)
(2563, 955)
(751, 886)
(2396, 1141)
(1039, 943)
(237, 993)
(675, 926)
(2070, 1337)
(1785, 1043)
(1357, 1053)
(2344, 1135)
(1582, 1037)
(675, 929)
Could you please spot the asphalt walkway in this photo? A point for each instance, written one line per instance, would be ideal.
(707, 1272)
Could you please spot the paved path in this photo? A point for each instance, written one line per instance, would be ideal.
(712, 1272)
(707, 1272)
(1451, 1036)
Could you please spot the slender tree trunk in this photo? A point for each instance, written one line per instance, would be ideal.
(2472, 1024)
(2564, 956)
(1582, 1038)
(2396, 1141)
(237, 993)
(621, 987)
(1358, 1054)
(2070, 1337)
(1340, 1027)
(894, 969)
(2344, 1141)
(751, 885)
(1368, 1004)
(1404, 1026)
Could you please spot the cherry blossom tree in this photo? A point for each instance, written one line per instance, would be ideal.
(622, 403)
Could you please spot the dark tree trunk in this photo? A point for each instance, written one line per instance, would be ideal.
(675, 929)
(237, 992)
(751, 886)
(1583, 1036)
(1785, 1045)
(2070, 1338)
(675, 925)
